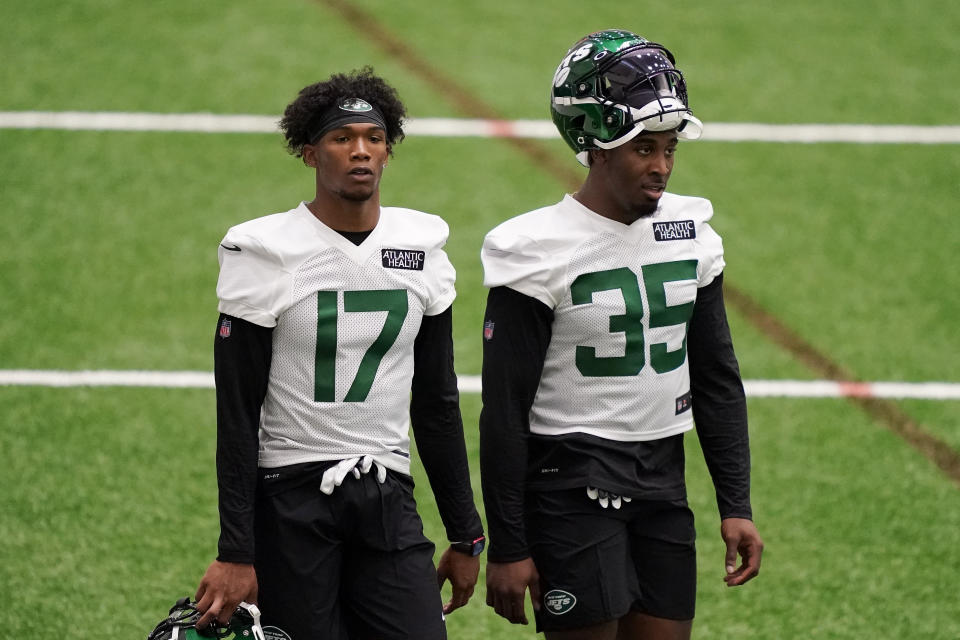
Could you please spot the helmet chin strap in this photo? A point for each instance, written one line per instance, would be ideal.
(254, 612)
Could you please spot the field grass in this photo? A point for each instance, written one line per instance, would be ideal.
(108, 260)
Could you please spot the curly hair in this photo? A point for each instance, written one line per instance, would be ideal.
(302, 116)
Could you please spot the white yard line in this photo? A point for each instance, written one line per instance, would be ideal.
(466, 127)
(471, 384)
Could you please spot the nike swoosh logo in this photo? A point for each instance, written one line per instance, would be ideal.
(234, 248)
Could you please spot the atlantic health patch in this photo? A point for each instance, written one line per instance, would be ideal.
(675, 230)
(411, 259)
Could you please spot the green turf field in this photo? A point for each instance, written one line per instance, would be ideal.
(108, 510)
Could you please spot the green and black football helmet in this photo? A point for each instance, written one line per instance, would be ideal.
(613, 84)
(181, 624)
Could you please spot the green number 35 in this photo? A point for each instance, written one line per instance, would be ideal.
(629, 323)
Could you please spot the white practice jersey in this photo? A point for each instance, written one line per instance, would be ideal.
(622, 296)
(345, 319)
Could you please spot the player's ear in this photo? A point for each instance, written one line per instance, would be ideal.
(309, 155)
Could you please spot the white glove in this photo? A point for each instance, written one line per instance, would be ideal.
(335, 475)
(605, 498)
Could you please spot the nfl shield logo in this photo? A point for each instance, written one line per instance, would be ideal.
(225, 328)
(488, 330)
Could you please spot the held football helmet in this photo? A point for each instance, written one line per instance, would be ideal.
(614, 84)
(181, 624)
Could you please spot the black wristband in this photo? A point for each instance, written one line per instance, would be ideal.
(473, 548)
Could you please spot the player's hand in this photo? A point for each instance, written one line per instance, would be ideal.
(507, 584)
(741, 537)
(224, 586)
(462, 571)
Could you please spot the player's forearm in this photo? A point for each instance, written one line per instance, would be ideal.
(444, 458)
(503, 471)
(503, 466)
(728, 458)
(242, 354)
(438, 432)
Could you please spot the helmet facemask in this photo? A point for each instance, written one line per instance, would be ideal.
(650, 92)
(181, 624)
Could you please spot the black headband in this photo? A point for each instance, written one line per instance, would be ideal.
(345, 111)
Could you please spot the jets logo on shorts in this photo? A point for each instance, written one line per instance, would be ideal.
(559, 602)
(273, 633)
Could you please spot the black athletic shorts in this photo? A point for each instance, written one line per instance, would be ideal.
(352, 564)
(598, 564)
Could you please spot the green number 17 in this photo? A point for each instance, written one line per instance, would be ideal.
(393, 301)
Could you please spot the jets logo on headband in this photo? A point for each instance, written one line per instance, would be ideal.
(354, 104)
(345, 111)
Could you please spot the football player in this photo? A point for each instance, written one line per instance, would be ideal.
(605, 340)
(334, 338)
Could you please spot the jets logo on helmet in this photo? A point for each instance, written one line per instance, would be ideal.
(614, 84)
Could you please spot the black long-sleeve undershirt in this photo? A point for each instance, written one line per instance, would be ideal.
(510, 455)
(719, 402)
(438, 427)
(512, 364)
(242, 367)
